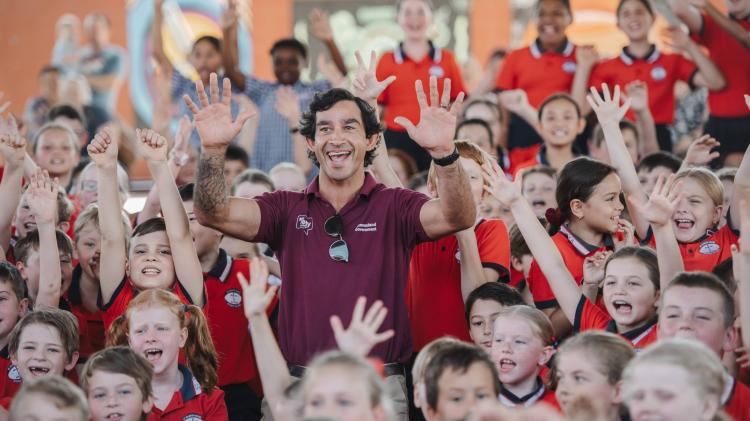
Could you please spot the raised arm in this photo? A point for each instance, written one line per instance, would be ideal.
(637, 92)
(367, 87)
(13, 150)
(742, 262)
(688, 14)
(103, 151)
(658, 211)
(320, 28)
(256, 296)
(454, 209)
(699, 152)
(237, 217)
(187, 267)
(728, 25)
(229, 51)
(708, 76)
(473, 275)
(157, 43)
(609, 112)
(42, 199)
(287, 105)
(565, 288)
(741, 187)
(362, 334)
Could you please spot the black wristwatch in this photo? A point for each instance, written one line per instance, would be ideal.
(447, 160)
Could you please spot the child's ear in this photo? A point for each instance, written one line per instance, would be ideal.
(63, 226)
(183, 336)
(73, 361)
(546, 355)
(148, 404)
(23, 307)
(581, 125)
(22, 269)
(576, 208)
(617, 393)
(516, 264)
(731, 339)
(718, 211)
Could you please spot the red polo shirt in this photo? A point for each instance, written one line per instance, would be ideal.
(381, 227)
(734, 62)
(433, 297)
(591, 317)
(706, 253)
(10, 378)
(227, 321)
(400, 98)
(736, 399)
(125, 293)
(90, 324)
(191, 403)
(539, 72)
(659, 70)
(573, 251)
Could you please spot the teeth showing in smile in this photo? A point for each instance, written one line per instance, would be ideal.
(622, 306)
(39, 371)
(114, 416)
(507, 364)
(153, 354)
(150, 271)
(684, 223)
(338, 156)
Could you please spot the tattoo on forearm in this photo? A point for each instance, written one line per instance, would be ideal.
(211, 191)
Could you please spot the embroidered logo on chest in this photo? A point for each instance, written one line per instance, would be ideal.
(658, 73)
(13, 374)
(569, 67)
(369, 227)
(709, 247)
(436, 71)
(233, 297)
(304, 223)
(192, 417)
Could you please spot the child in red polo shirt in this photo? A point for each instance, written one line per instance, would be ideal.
(641, 60)
(117, 383)
(541, 69)
(161, 252)
(158, 326)
(697, 215)
(728, 121)
(442, 273)
(521, 347)
(416, 58)
(560, 122)
(15, 305)
(589, 366)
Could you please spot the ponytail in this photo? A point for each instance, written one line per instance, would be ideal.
(118, 332)
(199, 348)
(555, 218)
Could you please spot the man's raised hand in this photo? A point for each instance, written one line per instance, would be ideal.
(103, 148)
(152, 145)
(362, 334)
(213, 119)
(437, 119)
(607, 107)
(365, 84)
(42, 197)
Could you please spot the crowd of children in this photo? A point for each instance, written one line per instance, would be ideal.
(606, 276)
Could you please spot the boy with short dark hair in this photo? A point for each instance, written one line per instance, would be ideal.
(483, 305)
(236, 160)
(470, 375)
(654, 165)
(598, 147)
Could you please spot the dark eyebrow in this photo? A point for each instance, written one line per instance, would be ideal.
(351, 120)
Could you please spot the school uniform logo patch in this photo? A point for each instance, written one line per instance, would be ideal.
(192, 417)
(658, 73)
(709, 247)
(304, 223)
(436, 71)
(569, 67)
(233, 297)
(13, 374)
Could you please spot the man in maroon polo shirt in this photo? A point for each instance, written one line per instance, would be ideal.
(346, 235)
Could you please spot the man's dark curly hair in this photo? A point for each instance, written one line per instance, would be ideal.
(324, 101)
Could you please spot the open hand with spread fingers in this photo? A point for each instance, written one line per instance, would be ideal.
(607, 107)
(365, 83)
(659, 208)
(362, 334)
(42, 197)
(152, 145)
(213, 119)
(103, 148)
(437, 119)
(256, 294)
(12, 146)
(499, 187)
(699, 152)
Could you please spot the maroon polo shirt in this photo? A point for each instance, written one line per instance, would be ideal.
(381, 227)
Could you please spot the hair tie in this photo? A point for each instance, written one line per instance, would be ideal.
(555, 217)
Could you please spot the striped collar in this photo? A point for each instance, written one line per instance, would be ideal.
(652, 55)
(583, 248)
(222, 267)
(508, 399)
(537, 50)
(634, 335)
(435, 53)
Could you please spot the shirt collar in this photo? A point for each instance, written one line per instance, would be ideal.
(583, 248)
(190, 387)
(729, 385)
(628, 58)
(507, 397)
(4, 353)
(435, 53)
(541, 154)
(634, 335)
(367, 187)
(566, 49)
(222, 267)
